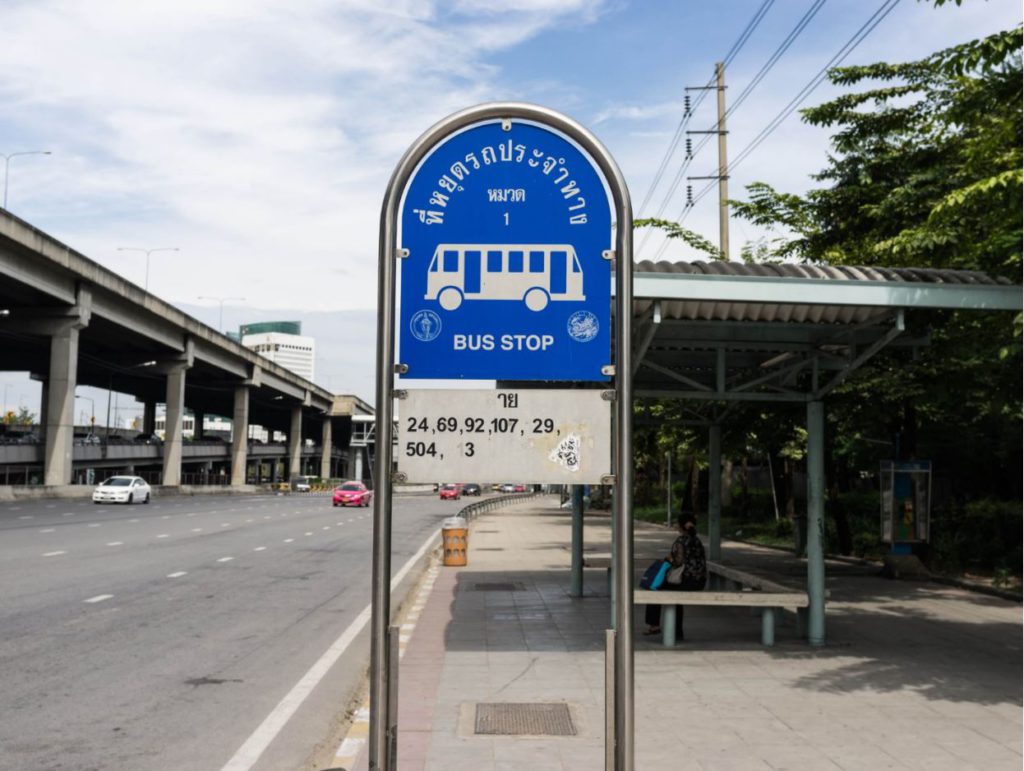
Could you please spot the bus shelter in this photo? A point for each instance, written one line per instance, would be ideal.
(719, 333)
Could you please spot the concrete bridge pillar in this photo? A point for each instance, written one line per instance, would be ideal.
(198, 418)
(174, 369)
(325, 441)
(60, 405)
(240, 436)
(295, 443)
(173, 431)
(148, 419)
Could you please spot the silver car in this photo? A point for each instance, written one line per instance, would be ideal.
(122, 490)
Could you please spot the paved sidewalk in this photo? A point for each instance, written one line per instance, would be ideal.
(914, 675)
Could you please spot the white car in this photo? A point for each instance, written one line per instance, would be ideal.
(122, 490)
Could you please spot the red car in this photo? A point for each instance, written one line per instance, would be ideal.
(450, 492)
(520, 489)
(352, 494)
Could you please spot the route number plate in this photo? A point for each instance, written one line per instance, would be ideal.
(534, 436)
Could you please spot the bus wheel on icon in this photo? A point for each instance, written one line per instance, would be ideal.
(449, 298)
(536, 299)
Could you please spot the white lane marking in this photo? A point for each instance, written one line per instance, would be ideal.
(54, 553)
(166, 516)
(116, 543)
(225, 559)
(191, 515)
(197, 529)
(179, 574)
(99, 598)
(247, 755)
(163, 535)
(326, 527)
(26, 516)
(288, 540)
(249, 520)
(309, 533)
(93, 524)
(260, 548)
(267, 517)
(133, 520)
(51, 505)
(225, 524)
(47, 530)
(71, 513)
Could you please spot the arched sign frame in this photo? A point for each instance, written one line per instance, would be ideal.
(383, 691)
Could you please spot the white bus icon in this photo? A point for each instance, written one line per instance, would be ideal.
(534, 273)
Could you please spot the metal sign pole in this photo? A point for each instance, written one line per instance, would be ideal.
(380, 671)
(623, 514)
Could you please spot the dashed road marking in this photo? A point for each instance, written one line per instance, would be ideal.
(163, 535)
(116, 543)
(47, 530)
(54, 553)
(197, 529)
(93, 524)
(26, 516)
(260, 548)
(179, 574)
(225, 559)
(100, 598)
(288, 540)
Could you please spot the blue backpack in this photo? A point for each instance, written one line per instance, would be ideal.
(655, 574)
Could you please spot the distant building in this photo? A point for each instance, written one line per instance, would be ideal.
(281, 342)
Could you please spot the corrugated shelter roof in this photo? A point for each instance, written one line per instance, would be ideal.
(813, 310)
(732, 331)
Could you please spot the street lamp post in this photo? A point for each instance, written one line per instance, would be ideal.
(222, 300)
(7, 165)
(147, 252)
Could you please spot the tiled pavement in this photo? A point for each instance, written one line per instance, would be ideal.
(914, 675)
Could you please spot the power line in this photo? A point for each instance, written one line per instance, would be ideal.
(855, 40)
(689, 110)
(751, 26)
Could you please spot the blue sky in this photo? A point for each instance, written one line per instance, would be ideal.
(257, 136)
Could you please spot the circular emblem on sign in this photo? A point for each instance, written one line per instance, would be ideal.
(583, 326)
(425, 325)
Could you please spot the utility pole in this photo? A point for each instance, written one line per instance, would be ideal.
(723, 163)
(723, 167)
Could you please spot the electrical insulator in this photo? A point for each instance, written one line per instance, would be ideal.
(689, 149)
(686, 104)
(689, 195)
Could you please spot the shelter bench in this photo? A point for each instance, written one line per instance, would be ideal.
(727, 587)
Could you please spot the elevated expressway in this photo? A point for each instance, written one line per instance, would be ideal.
(69, 321)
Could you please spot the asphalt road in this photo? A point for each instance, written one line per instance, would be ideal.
(161, 636)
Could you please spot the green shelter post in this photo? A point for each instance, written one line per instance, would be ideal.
(576, 588)
(815, 522)
(715, 491)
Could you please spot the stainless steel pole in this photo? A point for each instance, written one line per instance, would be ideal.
(380, 589)
(624, 752)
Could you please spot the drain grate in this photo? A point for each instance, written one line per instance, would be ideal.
(510, 586)
(508, 719)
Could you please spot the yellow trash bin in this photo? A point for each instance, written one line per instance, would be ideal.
(454, 534)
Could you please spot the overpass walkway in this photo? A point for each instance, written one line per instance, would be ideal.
(915, 675)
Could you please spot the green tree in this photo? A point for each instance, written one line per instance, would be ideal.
(926, 171)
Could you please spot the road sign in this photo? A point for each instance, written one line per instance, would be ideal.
(549, 436)
(506, 270)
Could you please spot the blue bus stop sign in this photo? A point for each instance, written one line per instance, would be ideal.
(506, 225)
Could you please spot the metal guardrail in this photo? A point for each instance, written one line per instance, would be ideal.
(479, 507)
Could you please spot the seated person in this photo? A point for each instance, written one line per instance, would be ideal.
(688, 573)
